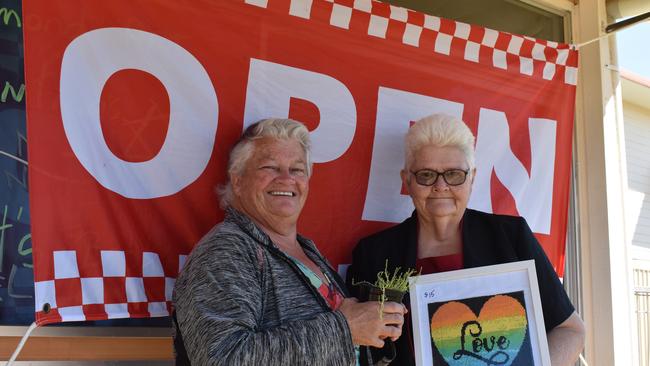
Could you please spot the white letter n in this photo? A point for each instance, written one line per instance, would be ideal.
(533, 194)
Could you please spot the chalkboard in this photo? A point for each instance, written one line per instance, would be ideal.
(16, 269)
(16, 275)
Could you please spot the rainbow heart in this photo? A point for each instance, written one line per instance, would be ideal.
(493, 338)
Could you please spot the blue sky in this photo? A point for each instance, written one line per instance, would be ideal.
(634, 49)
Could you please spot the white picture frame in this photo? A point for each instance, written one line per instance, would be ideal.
(468, 316)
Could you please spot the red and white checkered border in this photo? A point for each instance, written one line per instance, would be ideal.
(526, 55)
(136, 300)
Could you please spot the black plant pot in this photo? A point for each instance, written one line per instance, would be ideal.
(370, 292)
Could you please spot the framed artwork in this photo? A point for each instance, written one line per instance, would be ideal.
(478, 317)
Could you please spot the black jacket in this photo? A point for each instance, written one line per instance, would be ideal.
(487, 239)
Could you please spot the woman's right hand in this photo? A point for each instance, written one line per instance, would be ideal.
(366, 325)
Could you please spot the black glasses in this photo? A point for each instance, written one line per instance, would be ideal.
(428, 177)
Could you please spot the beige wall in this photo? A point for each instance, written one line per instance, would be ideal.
(637, 145)
(636, 114)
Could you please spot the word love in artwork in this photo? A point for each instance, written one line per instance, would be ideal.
(494, 337)
(474, 330)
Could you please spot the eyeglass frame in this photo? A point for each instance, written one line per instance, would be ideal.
(438, 174)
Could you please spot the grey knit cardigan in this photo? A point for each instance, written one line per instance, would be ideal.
(240, 300)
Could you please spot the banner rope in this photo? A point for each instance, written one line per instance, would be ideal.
(21, 344)
(13, 157)
(615, 27)
(577, 46)
(582, 360)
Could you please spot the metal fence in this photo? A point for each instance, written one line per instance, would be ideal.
(642, 300)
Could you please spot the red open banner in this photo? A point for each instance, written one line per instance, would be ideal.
(133, 106)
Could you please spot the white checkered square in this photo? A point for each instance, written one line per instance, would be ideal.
(341, 16)
(443, 43)
(157, 309)
(72, 314)
(151, 266)
(181, 262)
(562, 56)
(526, 66)
(363, 5)
(92, 290)
(462, 30)
(571, 75)
(169, 288)
(431, 22)
(300, 8)
(515, 45)
(549, 71)
(472, 51)
(377, 26)
(260, 3)
(490, 38)
(117, 311)
(499, 59)
(399, 13)
(135, 290)
(412, 35)
(538, 52)
(44, 293)
(113, 263)
(65, 264)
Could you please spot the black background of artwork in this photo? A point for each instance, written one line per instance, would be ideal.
(525, 355)
(16, 272)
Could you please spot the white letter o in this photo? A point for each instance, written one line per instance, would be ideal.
(89, 61)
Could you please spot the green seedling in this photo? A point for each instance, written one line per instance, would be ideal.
(396, 281)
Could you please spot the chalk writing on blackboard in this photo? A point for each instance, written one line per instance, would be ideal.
(20, 176)
(8, 14)
(22, 249)
(16, 95)
(22, 263)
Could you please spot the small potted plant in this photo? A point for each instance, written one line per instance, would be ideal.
(388, 287)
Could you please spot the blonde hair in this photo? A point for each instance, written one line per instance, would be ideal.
(439, 130)
(278, 128)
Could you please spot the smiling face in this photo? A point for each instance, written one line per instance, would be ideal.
(440, 199)
(273, 186)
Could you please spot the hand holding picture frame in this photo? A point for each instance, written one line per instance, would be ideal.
(479, 316)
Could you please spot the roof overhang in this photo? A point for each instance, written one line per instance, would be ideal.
(626, 8)
(636, 89)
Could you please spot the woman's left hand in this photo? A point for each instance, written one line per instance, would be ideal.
(369, 326)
